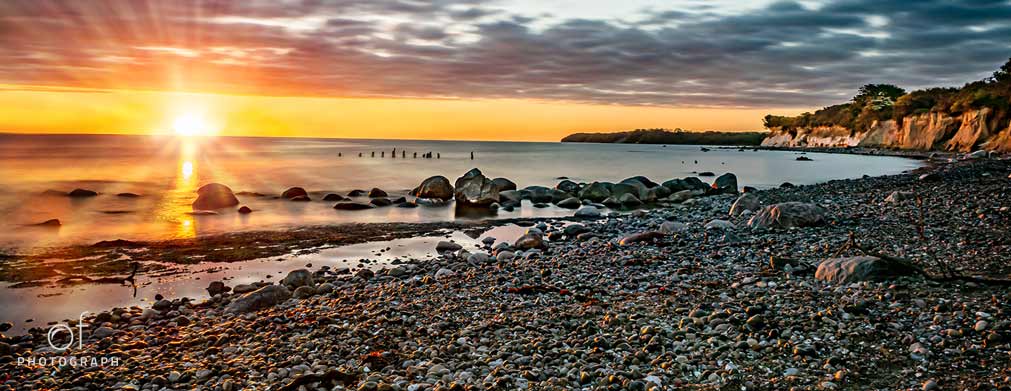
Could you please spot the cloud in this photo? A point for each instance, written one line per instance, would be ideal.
(781, 54)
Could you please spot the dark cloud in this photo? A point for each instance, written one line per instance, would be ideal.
(785, 54)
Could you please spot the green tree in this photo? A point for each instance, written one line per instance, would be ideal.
(878, 95)
(1004, 73)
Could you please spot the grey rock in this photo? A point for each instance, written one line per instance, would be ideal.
(436, 187)
(787, 215)
(298, 278)
(746, 202)
(265, 297)
(857, 269)
(474, 189)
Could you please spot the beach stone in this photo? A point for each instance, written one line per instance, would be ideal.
(568, 186)
(377, 192)
(430, 201)
(681, 196)
(930, 177)
(629, 200)
(538, 194)
(444, 273)
(897, 197)
(365, 274)
(503, 184)
(294, 192)
(174, 376)
(588, 212)
(162, 305)
(642, 180)
(530, 241)
(596, 192)
(706, 173)
(5, 326)
(400, 200)
(862, 268)
(380, 202)
(265, 297)
(746, 202)
(128, 195)
(357, 193)
(788, 215)
(245, 210)
(930, 385)
(477, 258)
(474, 189)
(648, 236)
(353, 206)
(504, 256)
(304, 292)
(82, 193)
(244, 288)
(447, 246)
(49, 223)
(298, 278)
(333, 197)
(574, 229)
(672, 227)
(611, 202)
(216, 288)
(103, 332)
(510, 196)
(325, 288)
(214, 196)
(726, 184)
(619, 189)
(570, 203)
(720, 224)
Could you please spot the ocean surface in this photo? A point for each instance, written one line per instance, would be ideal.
(166, 170)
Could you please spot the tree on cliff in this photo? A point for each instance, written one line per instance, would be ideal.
(1003, 75)
(878, 95)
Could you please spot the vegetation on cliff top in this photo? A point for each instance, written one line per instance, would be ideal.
(665, 136)
(876, 102)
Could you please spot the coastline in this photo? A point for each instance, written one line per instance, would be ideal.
(692, 306)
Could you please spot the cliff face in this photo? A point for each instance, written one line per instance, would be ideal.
(928, 131)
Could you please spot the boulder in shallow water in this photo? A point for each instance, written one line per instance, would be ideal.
(82, 193)
(510, 197)
(352, 206)
(596, 191)
(128, 195)
(377, 192)
(357, 193)
(333, 197)
(629, 201)
(381, 202)
(862, 268)
(216, 288)
(447, 246)
(706, 173)
(245, 210)
(641, 179)
(430, 201)
(294, 192)
(473, 189)
(569, 203)
(746, 202)
(787, 215)
(588, 212)
(503, 184)
(265, 297)
(436, 187)
(568, 186)
(214, 196)
(301, 198)
(726, 184)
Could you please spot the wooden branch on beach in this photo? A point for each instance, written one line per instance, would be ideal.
(903, 262)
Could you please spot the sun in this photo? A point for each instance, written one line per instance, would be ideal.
(190, 125)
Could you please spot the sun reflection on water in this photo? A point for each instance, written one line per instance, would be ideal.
(176, 206)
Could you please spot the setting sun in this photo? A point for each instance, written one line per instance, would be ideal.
(190, 125)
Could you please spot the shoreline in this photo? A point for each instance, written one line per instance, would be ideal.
(698, 304)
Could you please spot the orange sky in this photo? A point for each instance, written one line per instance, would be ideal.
(49, 110)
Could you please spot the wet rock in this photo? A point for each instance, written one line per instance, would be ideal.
(430, 201)
(672, 227)
(245, 210)
(588, 212)
(294, 192)
(297, 278)
(898, 197)
(706, 173)
(377, 192)
(568, 186)
(570, 203)
(82, 193)
(304, 292)
(803, 159)
(629, 201)
(5, 326)
(244, 288)
(380, 202)
(788, 215)
(649, 236)
(473, 189)
(333, 197)
(357, 193)
(436, 187)
(503, 184)
(596, 191)
(49, 223)
(862, 268)
(446, 246)
(128, 195)
(216, 288)
(530, 241)
(726, 184)
(265, 297)
(720, 225)
(444, 273)
(353, 206)
(681, 196)
(746, 202)
(214, 196)
(930, 177)
(642, 180)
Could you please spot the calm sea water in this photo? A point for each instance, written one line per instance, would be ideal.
(166, 170)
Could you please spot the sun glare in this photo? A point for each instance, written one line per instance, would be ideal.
(189, 125)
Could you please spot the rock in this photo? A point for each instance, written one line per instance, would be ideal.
(720, 224)
(474, 189)
(588, 212)
(596, 191)
(512, 197)
(216, 288)
(436, 187)
(174, 376)
(379, 202)
(265, 297)
(377, 192)
(503, 184)
(611, 202)
(726, 184)
(748, 189)
(634, 188)
(673, 227)
(407, 205)
(642, 180)
(245, 210)
(803, 159)
(365, 274)
(162, 305)
(629, 200)
(333, 197)
(400, 200)
(325, 288)
(530, 241)
(787, 185)
(745, 202)
(570, 203)
(6, 326)
(862, 268)
(353, 206)
(445, 246)
(304, 292)
(504, 256)
(574, 229)
(103, 332)
(538, 194)
(680, 196)
(357, 193)
(648, 236)
(128, 195)
(444, 273)
(294, 192)
(81, 193)
(568, 186)
(930, 177)
(897, 197)
(49, 223)
(477, 258)
(244, 288)
(706, 173)
(297, 278)
(930, 385)
(788, 215)
(214, 196)
(430, 201)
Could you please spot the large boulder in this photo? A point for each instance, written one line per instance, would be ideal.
(436, 187)
(726, 184)
(294, 192)
(265, 297)
(746, 202)
(353, 206)
(787, 215)
(568, 186)
(641, 179)
(596, 191)
(476, 190)
(214, 196)
(377, 192)
(862, 268)
(503, 184)
(569, 203)
(82, 193)
(538, 194)
(297, 278)
(588, 212)
(620, 189)
(510, 197)
(530, 241)
(629, 200)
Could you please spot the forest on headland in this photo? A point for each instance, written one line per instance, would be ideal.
(667, 136)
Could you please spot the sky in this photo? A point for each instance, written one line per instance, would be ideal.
(469, 69)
